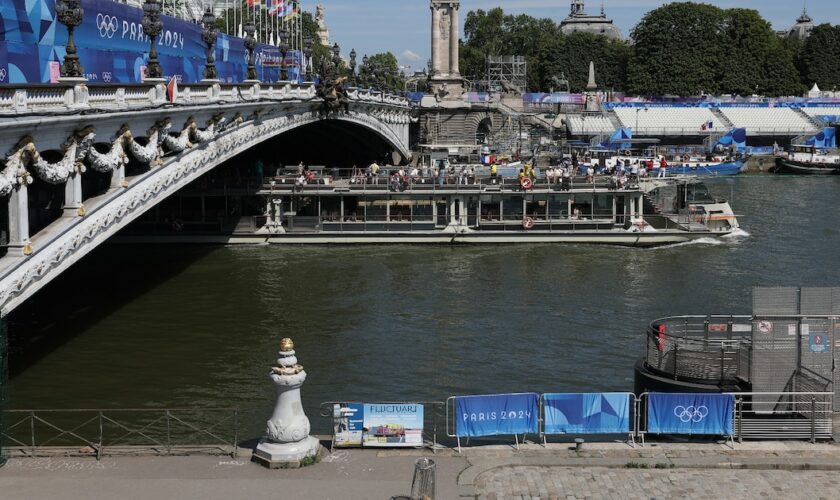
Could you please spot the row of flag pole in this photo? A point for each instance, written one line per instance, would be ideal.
(269, 17)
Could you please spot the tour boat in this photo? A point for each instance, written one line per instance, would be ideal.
(325, 210)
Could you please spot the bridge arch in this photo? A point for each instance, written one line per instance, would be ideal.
(103, 216)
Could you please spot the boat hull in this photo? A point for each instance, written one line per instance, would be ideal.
(792, 167)
(615, 238)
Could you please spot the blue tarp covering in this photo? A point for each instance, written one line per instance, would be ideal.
(496, 414)
(112, 47)
(599, 413)
(709, 414)
(736, 136)
(825, 139)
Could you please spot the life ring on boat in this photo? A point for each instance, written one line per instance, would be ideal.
(178, 225)
(526, 183)
(528, 223)
(627, 152)
(685, 158)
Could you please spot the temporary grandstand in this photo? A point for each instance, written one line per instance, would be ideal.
(765, 121)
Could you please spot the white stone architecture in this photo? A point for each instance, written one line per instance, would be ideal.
(323, 31)
(445, 77)
(287, 439)
(580, 21)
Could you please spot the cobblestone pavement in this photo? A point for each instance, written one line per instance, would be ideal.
(549, 483)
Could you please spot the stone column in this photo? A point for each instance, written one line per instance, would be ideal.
(118, 176)
(288, 441)
(19, 221)
(73, 196)
(435, 40)
(454, 29)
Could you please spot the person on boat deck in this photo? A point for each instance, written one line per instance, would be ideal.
(567, 178)
(413, 173)
(590, 174)
(442, 175)
(663, 167)
(634, 173)
(300, 182)
(374, 172)
(521, 175)
(494, 170)
(549, 175)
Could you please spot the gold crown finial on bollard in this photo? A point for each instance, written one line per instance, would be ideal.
(287, 345)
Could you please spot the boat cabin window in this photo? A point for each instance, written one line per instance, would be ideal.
(512, 207)
(423, 210)
(491, 207)
(697, 193)
(331, 208)
(558, 206)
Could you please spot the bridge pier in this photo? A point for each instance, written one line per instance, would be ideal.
(19, 221)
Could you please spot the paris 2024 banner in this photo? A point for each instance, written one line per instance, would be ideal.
(113, 48)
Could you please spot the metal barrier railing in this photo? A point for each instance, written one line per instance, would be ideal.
(784, 415)
(169, 431)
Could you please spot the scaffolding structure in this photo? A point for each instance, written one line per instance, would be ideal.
(507, 74)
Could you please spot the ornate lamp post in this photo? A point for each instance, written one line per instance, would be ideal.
(353, 65)
(364, 71)
(336, 50)
(307, 52)
(209, 35)
(250, 45)
(283, 46)
(152, 27)
(70, 14)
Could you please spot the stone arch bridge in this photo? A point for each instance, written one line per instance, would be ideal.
(59, 133)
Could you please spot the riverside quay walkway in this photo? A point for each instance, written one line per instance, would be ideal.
(788, 470)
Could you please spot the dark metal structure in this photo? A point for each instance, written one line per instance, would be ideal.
(209, 35)
(152, 27)
(70, 14)
(250, 45)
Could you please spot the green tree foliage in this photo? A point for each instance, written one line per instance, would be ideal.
(381, 72)
(820, 57)
(688, 48)
(492, 33)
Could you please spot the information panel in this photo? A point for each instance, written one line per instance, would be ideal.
(597, 413)
(690, 414)
(378, 425)
(496, 414)
(393, 425)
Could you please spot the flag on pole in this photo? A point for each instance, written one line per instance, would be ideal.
(172, 89)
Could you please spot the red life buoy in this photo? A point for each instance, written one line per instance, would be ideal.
(526, 183)
(528, 223)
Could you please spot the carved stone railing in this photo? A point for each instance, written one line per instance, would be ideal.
(47, 99)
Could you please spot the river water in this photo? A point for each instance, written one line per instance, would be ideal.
(181, 326)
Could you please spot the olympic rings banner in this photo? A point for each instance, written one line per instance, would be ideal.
(709, 414)
(497, 414)
(112, 47)
(598, 413)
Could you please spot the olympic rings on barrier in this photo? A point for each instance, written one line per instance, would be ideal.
(688, 414)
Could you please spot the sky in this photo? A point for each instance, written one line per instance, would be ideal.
(402, 27)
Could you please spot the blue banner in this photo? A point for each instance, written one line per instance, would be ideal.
(604, 413)
(112, 47)
(709, 414)
(497, 414)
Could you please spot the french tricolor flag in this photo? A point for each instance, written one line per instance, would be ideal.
(172, 89)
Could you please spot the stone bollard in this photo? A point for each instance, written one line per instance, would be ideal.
(288, 442)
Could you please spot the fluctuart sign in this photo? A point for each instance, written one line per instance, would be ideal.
(709, 414)
(378, 424)
(496, 414)
(598, 413)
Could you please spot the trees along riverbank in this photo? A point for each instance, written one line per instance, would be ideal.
(679, 49)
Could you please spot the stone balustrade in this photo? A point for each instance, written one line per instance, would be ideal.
(47, 99)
